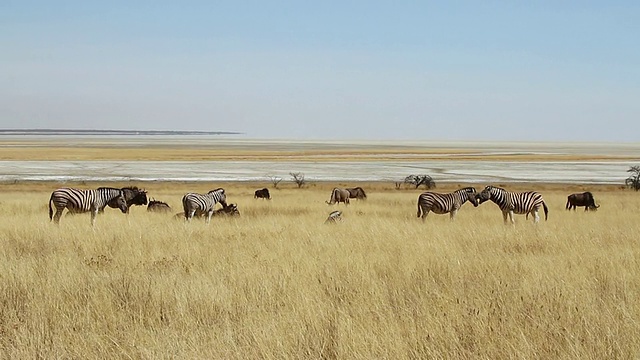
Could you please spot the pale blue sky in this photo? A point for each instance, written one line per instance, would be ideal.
(448, 70)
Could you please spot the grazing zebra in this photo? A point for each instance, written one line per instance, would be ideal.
(334, 217)
(515, 203)
(80, 201)
(231, 210)
(193, 203)
(445, 203)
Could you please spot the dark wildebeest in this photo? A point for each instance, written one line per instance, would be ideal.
(585, 199)
(262, 194)
(229, 210)
(334, 217)
(338, 196)
(158, 206)
(133, 196)
(357, 193)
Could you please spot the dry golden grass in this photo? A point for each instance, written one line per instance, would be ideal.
(278, 283)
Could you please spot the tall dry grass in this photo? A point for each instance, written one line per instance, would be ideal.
(278, 283)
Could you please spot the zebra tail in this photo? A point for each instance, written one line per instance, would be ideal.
(546, 211)
(419, 209)
(50, 209)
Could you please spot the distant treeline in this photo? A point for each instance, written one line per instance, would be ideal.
(109, 132)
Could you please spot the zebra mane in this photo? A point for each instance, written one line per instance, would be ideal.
(103, 188)
(216, 190)
(468, 189)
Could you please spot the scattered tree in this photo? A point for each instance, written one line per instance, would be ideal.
(298, 178)
(275, 180)
(633, 181)
(418, 180)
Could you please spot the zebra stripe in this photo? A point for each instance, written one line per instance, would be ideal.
(81, 201)
(445, 203)
(203, 203)
(515, 203)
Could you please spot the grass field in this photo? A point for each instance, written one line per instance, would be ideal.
(277, 283)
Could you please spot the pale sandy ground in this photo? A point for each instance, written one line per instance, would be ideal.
(167, 158)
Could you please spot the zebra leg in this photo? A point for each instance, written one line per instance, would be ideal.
(209, 214)
(424, 214)
(189, 214)
(56, 217)
(511, 217)
(94, 213)
(536, 217)
(452, 214)
(504, 217)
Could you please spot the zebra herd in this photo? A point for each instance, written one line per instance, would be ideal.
(203, 205)
(510, 203)
(94, 201)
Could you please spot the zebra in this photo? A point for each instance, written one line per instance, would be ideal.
(334, 217)
(81, 201)
(193, 203)
(515, 203)
(445, 203)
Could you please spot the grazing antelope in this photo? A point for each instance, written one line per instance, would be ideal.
(339, 195)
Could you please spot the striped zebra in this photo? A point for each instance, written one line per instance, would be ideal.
(515, 203)
(81, 201)
(200, 204)
(445, 203)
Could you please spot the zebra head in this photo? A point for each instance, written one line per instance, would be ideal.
(485, 194)
(472, 195)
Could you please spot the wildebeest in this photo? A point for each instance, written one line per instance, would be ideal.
(262, 194)
(357, 193)
(339, 195)
(334, 217)
(582, 199)
(133, 196)
(229, 210)
(158, 206)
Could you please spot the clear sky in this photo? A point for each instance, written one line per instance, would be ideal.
(445, 70)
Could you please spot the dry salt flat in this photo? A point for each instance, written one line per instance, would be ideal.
(444, 169)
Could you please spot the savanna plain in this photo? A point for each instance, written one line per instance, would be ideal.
(278, 283)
